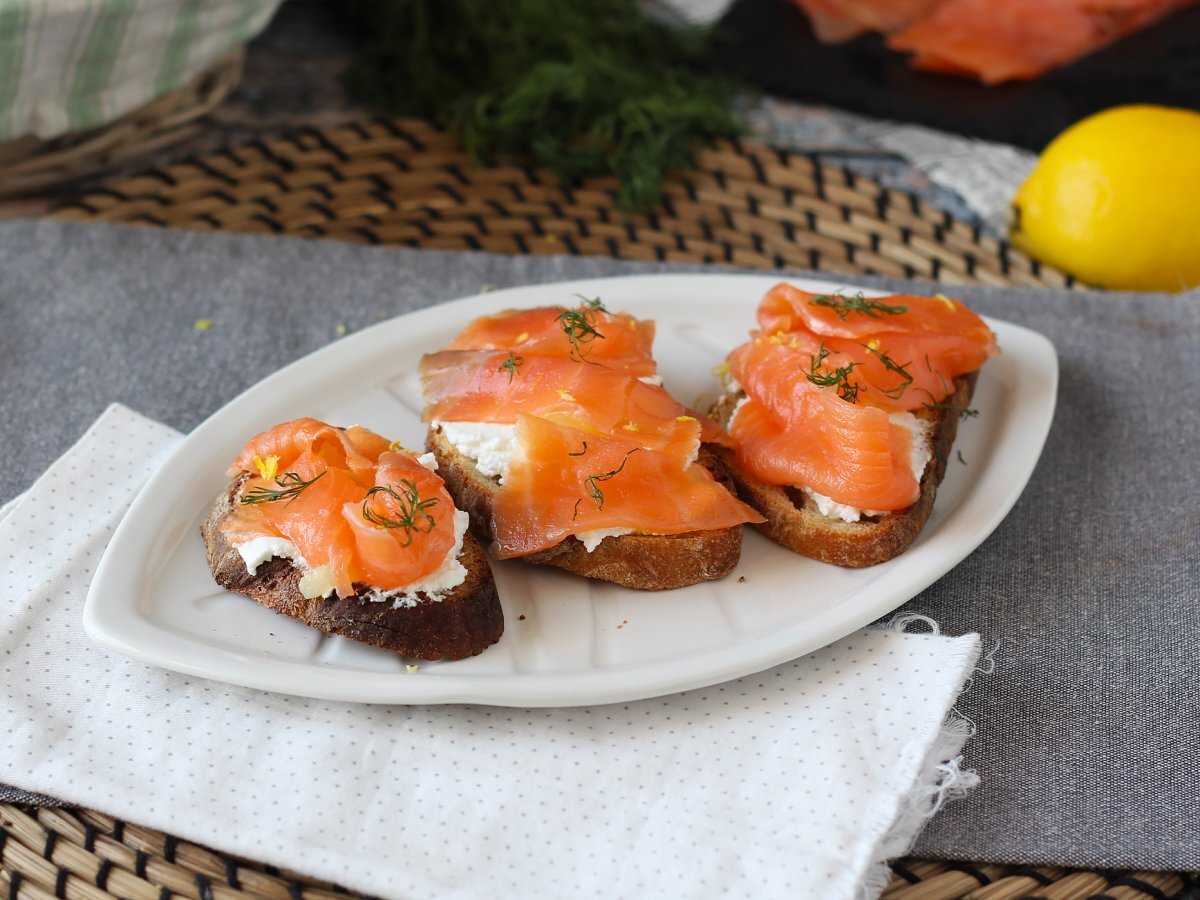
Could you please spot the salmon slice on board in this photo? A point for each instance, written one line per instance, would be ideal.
(835, 21)
(1020, 39)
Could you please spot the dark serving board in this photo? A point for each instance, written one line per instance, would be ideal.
(769, 43)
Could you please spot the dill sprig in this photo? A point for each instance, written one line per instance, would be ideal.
(290, 484)
(592, 480)
(584, 87)
(593, 303)
(413, 516)
(891, 365)
(579, 325)
(963, 412)
(511, 365)
(839, 378)
(581, 452)
(844, 306)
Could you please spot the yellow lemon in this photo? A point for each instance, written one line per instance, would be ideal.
(1115, 200)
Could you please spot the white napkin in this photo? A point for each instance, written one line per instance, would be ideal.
(796, 782)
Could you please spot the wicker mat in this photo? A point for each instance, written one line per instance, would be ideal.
(405, 183)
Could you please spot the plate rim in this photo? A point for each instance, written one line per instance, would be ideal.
(120, 626)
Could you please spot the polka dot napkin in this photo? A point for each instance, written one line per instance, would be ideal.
(796, 782)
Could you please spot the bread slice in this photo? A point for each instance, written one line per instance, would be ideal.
(794, 521)
(646, 562)
(464, 622)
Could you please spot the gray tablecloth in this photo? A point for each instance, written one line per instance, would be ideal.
(1089, 728)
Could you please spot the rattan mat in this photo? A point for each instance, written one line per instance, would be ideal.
(405, 183)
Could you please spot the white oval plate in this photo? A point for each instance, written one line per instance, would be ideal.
(567, 641)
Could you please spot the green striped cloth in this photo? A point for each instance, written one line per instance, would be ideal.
(68, 65)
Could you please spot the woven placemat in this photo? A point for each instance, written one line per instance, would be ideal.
(405, 183)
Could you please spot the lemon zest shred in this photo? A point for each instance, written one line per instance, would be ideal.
(267, 468)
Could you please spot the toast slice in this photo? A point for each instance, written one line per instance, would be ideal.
(794, 521)
(463, 622)
(647, 562)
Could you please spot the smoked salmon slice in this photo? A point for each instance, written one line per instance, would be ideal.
(472, 386)
(599, 443)
(586, 333)
(835, 21)
(831, 383)
(374, 515)
(1020, 39)
(992, 40)
(563, 481)
(905, 350)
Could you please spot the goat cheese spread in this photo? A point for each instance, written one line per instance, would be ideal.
(318, 582)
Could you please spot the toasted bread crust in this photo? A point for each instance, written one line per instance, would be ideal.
(646, 562)
(463, 623)
(794, 521)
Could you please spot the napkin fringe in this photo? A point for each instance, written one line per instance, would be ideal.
(942, 778)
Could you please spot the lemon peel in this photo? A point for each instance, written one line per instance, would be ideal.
(267, 468)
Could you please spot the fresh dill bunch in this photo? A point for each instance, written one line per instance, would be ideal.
(584, 87)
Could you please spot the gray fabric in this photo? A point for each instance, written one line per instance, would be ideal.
(1087, 743)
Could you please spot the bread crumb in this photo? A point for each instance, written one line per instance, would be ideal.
(521, 617)
(741, 579)
(202, 324)
(340, 329)
(624, 622)
(411, 670)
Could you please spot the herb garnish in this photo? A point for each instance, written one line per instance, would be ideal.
(594, 303)
(579, 325)
(584, 88)
(581, 452)
(963, 412)
(413, 515)
(843, 306)
(511, 365)
(890, 364)
(839, 378)
(290, 484)
(594, 488)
